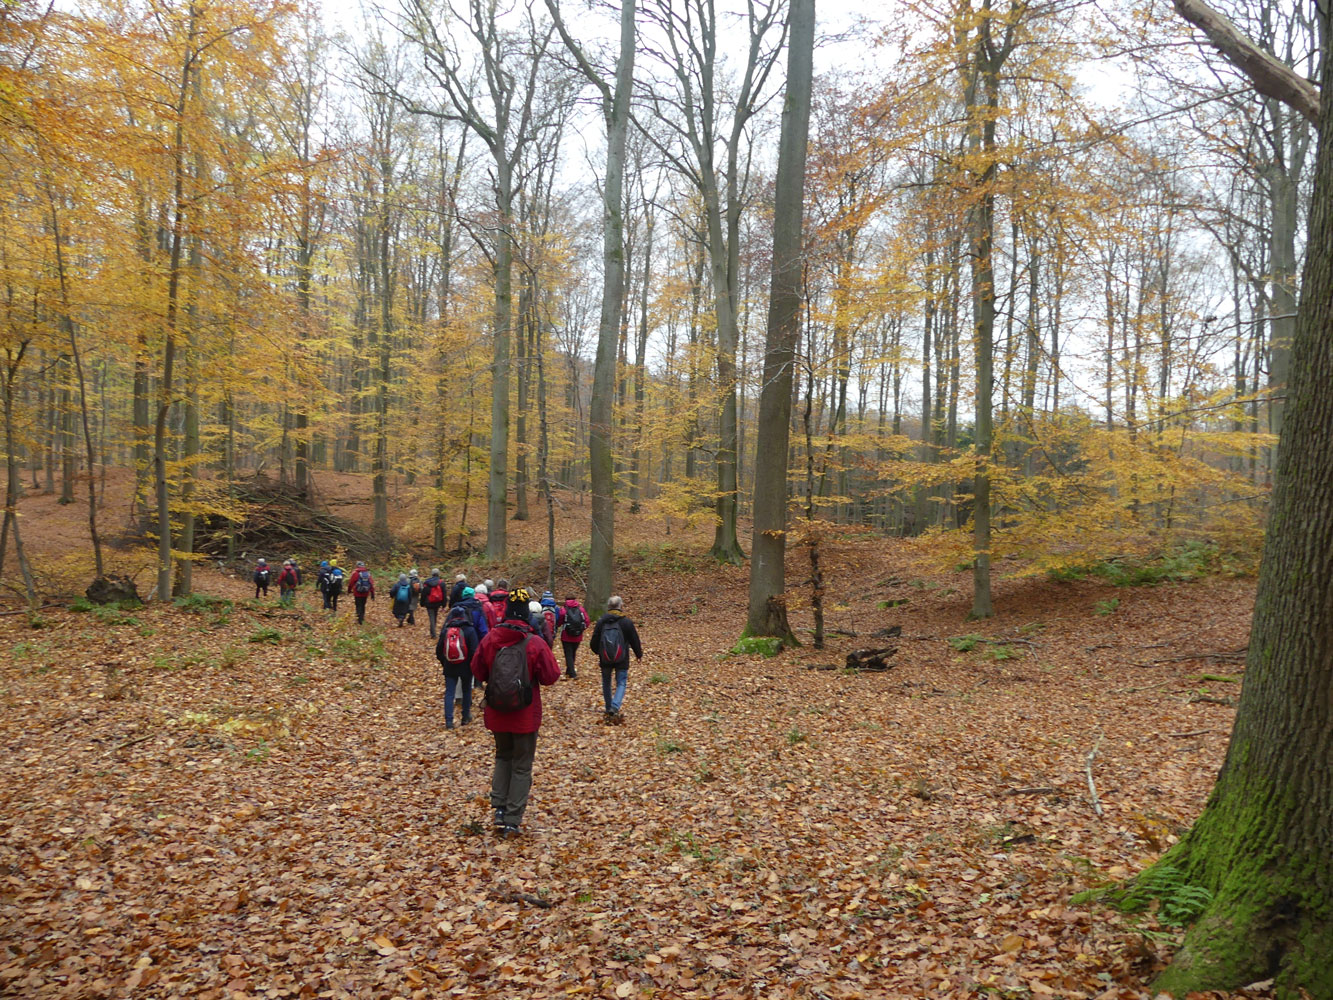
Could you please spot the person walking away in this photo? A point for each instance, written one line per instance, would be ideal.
(402, 598)
(571, 632)
(456, 591)
(553, 616)
(287, 582)
(362, 587)
(483, 599)
(322, 582)
(296, 568)
(433, 597)
(514, 665)
(535, 617)
(613, 638)
(335, 586)
(414, 601)
(461, 634)
(261, 576)
(497, 596)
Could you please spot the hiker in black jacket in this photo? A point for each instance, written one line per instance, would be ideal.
(613, 638)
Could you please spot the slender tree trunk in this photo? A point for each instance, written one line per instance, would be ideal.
(497, 506)
(616, 110)
(768, 545)
(166, 385)
(523, 360)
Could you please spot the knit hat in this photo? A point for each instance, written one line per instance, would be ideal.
(414, 574)
(547, 594)
(468, 592)
(517, 604)
(263, 562)
(333, 562)
(534, 607)
(402, 577)
(324, 564)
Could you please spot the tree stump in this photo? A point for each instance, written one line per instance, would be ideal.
(112, 589)
(871, 659)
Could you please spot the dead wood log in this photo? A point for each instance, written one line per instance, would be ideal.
(871, 659)
(112, 589)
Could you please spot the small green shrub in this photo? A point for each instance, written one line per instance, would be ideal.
(762, 645)
(999, 651)
(361, 648)
(1178, 902)
(267, 634)
(1190, 561)
(81, 605)
(658, 679)
(203, 603)
(574, 555)
(1105, 608)
(669, 745)
(115, 614)
(795, 736)
(966, 643)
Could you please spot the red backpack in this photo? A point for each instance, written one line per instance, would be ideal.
(454, 640)
(550, 619)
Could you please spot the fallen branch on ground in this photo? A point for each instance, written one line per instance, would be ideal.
(871, 659)
(1092, 785)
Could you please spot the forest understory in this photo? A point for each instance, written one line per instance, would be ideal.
(225, 798)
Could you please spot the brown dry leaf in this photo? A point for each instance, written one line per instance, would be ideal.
(751, 821)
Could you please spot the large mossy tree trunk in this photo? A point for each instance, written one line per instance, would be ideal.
(1264, 844)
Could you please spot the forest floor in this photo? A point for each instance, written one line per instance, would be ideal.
(242, 800)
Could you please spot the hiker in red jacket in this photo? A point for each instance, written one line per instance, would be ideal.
(362, 588)
(513, 725)
(287, 581)
(571, 632)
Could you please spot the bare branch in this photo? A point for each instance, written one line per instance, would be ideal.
(1270, 76)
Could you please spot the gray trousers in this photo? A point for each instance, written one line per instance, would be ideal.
(512, 778)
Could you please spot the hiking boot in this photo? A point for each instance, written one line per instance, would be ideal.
(571, 675)
(499, 821)
(449, 724)
(467, 720)
(509, 831)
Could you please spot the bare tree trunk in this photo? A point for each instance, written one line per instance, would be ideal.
(616, 115)
(768, 545)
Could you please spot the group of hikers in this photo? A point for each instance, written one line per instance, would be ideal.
(497, 638)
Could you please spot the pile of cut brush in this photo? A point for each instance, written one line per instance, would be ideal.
(267, 514)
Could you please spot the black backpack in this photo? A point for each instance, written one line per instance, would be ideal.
(612, 649)
(510, 685)
(575, 623)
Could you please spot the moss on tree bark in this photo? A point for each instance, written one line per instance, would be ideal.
(1264, 844)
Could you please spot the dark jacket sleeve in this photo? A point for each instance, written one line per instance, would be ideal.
(595, 643)
(632, 637)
